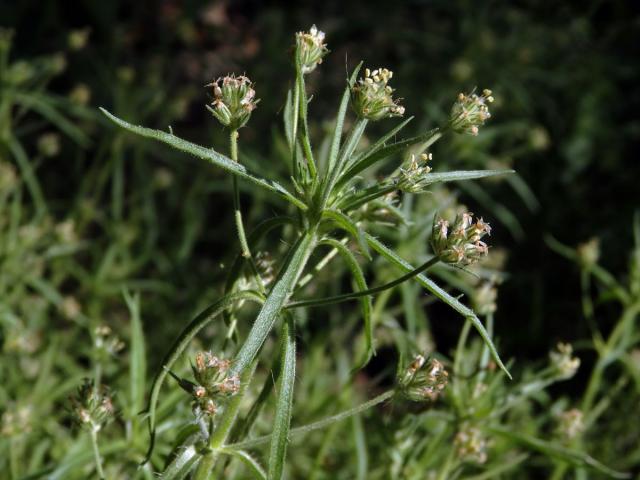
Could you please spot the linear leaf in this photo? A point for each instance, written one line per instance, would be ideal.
(286, 382)
(348, 225)
(441, 177)
(428, 138)
(248, 460)
(181, 465)
(178, 347)
(137, 359)
(208, 154)
(361, 284)
(430, 285)
(280, 292)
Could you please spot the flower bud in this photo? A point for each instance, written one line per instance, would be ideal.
(461, 243)
(234, 100)
(413, 178)
(310, 49)
(371, 97)
(423, 380)
(470, 112)
(564, 365)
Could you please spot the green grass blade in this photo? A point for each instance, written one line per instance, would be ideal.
(179, 346)
(208, 154)
(365, 302)
(436, 290)
(137, 359)
(251, 463)
(286, 382)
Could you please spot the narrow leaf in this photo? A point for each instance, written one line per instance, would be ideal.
(436, 290)
(137, 359)
(348, 225)
(254, 467)
(181, 465)
(286, 382)
(361, 284)
(208, 154)
(179, 346)
(442, 177)
(280, 292)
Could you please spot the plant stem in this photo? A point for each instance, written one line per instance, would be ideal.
(96, 452)
(236, 198)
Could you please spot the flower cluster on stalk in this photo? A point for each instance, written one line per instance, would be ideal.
(372, 96)
(460, 243)
(92, 406)
(470, 111)
(234, 100)
(424, 380)
(214, 385)
(471, 445)
(310, 49)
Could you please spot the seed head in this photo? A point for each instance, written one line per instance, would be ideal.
(310, 49)
(234, 100)
(424, 380)
(460, 243)
(470, 111)
(371, 96)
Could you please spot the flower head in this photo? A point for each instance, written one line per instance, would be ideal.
(470, 111)
(310, 49)
(460, 243)
(371, 96)
(424, 380)
(562, 362)
(213, 383)
(413, 178)
(570, 424)
(234, 100)
(92, 406)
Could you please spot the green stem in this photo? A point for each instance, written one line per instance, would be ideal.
(363, 293)
(96, 452)
(236, 198)
(206, 464)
